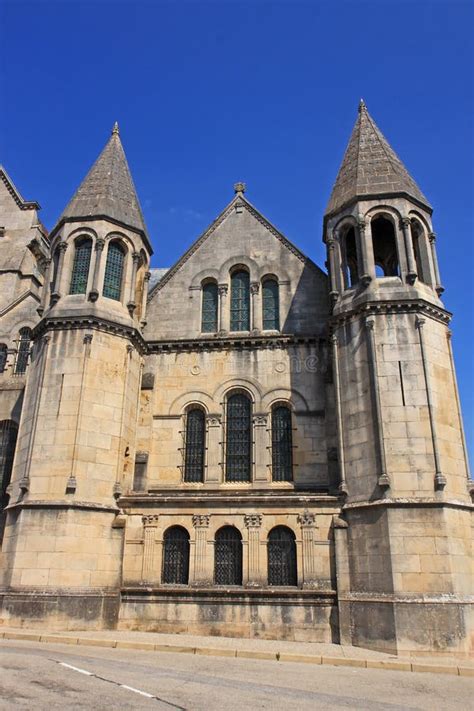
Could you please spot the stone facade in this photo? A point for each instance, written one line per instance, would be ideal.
(334, 506)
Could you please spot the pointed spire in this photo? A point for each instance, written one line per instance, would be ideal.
(371, 167)
(108, 190)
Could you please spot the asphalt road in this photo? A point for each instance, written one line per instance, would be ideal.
(50, 676)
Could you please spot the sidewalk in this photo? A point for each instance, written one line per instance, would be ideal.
(280, 650)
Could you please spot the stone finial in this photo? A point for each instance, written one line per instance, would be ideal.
(362, 105)
(239, 188)
(115, 130)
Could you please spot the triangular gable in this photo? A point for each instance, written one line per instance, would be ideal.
(15, 193)
(238, 200)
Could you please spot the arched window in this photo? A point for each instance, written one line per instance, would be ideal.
(228, 557)
(271, 305)
(80, 267)
(209, 308)
(417, 241)
(238, 437)
(52, 284)
(281, 557)
(114, 271)
(240, 301)
(175, 556)
(385, 247)
(3, 357)
(194, 445)
(8, 435)
(349, 259)
(282, 444)
(23, 352)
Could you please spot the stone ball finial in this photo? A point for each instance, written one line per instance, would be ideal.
(115, 130)
(239, 187)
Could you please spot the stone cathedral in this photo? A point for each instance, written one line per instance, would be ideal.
(244, 443)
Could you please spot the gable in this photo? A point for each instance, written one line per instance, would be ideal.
(239, 236)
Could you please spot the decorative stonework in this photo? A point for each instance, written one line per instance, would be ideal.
(307, 518)
(253, 520)
(150, 520)
(201, 520)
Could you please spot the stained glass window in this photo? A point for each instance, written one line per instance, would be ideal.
(209, 308)
(8, 435)
(3, 357)
(282, 449)
(240, 301)
(114, 271)
(228, 557)
(175, 556)
(194, 445)
(80, 268)
(281, 557)
(271, 306)
(238, 438)
(23, 352)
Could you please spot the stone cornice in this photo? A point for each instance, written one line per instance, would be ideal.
(45, 504)
(211, 499)
(64, 323)
(238, 594)
(232, 343)
(409, 503)
(105, 218)
(374, 308)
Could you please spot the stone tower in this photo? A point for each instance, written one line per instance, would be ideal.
(63, 542)
(404, 475)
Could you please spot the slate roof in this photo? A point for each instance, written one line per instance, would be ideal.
(108, 190)
(370, 167)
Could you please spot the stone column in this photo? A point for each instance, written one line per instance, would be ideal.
(470, 483)
(201, 573)
(343, 582)
(146, 279)
(261, 448)
(383, 479)
(254, 290)
(253, 523)
(213, 470)
(151, 568)
(224, 320)
(411, 263)
(339, 418)
(334, 293)
(439, 480)
(46, 286)
(439, 287)
(366, 270)
(71, 484)
(133, 283)
(56, 294)
(99, 248)
(307, 521)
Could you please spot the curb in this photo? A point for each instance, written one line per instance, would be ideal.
(387, 664)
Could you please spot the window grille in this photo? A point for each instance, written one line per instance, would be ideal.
(3, 357)
(238, 438)
(228, 557)
(194, 445)
(281, 557)
(271, 306)
(8, 435)
(240, 301)
(175, 556)
(23, 352)
(282, 444)
(80, 269)
(114, 272)
(209, 308)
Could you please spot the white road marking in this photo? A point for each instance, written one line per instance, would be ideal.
(137, 691)
(81, 671)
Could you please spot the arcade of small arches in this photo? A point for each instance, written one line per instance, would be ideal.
(109, 267)
(384, 245)
(285, 555)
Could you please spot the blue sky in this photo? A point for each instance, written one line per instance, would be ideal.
(207, 93)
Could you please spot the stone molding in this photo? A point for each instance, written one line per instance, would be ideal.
(201, 520)
(232, 342)
(307, 518)
(253, 520)
(71, 323)
(150, 520)
(375, 308)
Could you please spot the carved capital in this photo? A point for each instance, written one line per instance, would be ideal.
(361, 224)
(432, 237)
(334, 340)
(420, 322)
(253, 520)
(331, 243)
(254, 287)
(260, 419)
(214, 420)
(201, 520)
(150, 520)
(87, 339)
(223, 289)
(370, 323)
(307, 518)
(405, 222)
(136, 257)
(62, 246)
(99, 244)
(147, 276)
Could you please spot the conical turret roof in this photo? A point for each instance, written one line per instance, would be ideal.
(371, 167)
(108, 190)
